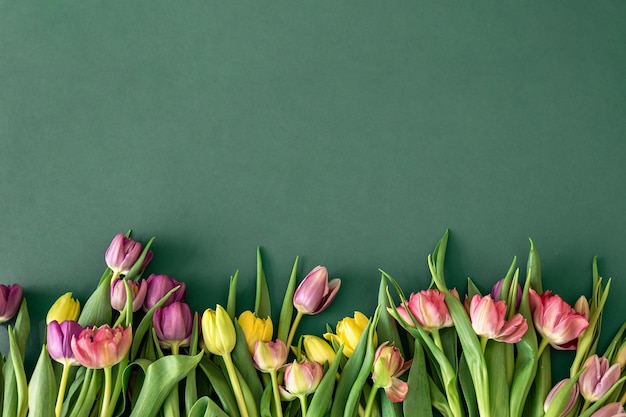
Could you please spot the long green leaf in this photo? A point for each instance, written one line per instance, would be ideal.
(42, 389)
(231, 305)
(97, 310)
(221, 386)
(417, 401)
(262, 306)
(324, 393)
(20, 375)
(286, 311)
(245, 365)
(495, 353)
(206, 407)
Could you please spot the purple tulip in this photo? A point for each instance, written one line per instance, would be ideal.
(158, 286)
(496, 291)
(122, 254)
(10, 300)
(173, 325)
(315, 293)
(59, 338)
(118, 294)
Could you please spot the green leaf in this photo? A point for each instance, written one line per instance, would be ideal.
(266, 402)
(22, 327)
(136, 268)
(221, 386)
(20, 375)
(417, 401)
(42, 389)
(206, 407)
(286, 311)
(231, 305)
(495, 352)
(467, 385)
(245, 365)
(97, 310)
(262, 306)
(324, 393)
(387, 328)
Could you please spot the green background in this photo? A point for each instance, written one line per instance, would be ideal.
(349, 133)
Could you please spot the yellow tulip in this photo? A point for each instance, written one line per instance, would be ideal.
(64, 308)
(348, 332)
(255, 328)
(318, 350)
(218, 331)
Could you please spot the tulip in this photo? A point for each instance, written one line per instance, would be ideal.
(315, 292)
(597, 377)
(218, 331)
(101, 347)
(348, 332)
(301, 379)
(388, 366)
(269, 356)
(573, 396)
(122, 254)
(555, 320)
(318, 350)
(428, 308)
(10, 300)
(173, 326)
(488, 320)
(59, 338)
(620, 356)
(118, 293)
(158, 287)
(255, 328)
(64, 308)
(582, 306)
(496, 293)
(610, 410)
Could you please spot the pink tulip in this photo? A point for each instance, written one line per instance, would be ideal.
(429, 309)
(122, 254)
(59, 338)
(101, 347)
(173, 325)
(573, 396)
(118, 293)
(488, 320)
(158, 286)
(269, 356)
(610, 410)
(388, 366)
(10, 300)
(301, 379)
(315, 292)
(597, 377)
(556, 320)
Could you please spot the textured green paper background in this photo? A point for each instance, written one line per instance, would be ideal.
(351, 134)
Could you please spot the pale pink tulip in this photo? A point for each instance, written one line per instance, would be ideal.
(597, 377)
(269, 356)
(488, 320)
(573, 396)
(610, 410)
(315, 292)
(118, 293)
(122, 254)
(301, 379)
(429, 309)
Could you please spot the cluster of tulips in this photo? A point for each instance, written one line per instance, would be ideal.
(137, 349)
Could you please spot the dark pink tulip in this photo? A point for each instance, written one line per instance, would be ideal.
(158, 286)
(315, 293)
(488, 320)
(429, 309)
(122, 254)
(101, 347)
(118, 294)
(59, 338)
(597, 377)
(10, 300)
(173, 325)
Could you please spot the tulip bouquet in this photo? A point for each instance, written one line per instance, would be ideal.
(137, 349)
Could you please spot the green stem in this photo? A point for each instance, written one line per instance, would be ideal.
(483, 343)
(585, 406)
(84, 389)
(303, 405)
(370, 401)
(62, 385)
(294, 326)
(437, 339)
(232, 373)
(170, 407)
(279, 408)
(106, 396)
(544, 343)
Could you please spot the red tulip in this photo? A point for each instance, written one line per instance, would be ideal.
(315, 292)
(488, 320)
(429, 309)
(597, 377)
(122, 254)
(10, 300)
(101, 347)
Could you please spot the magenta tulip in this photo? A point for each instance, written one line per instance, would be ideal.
(388, 366)
(573, 396)
(555, 320)
(101, 347)
(301, 378)
(315, 292)
(428, 308)
(269, 356)
(610, 410)
(173, 325)
(488, 320)
(59, 338)
(122, 254)
(597, 377)
(10, 300)
(158, 286)
(118, 293)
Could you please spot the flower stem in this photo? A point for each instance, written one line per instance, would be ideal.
(106, 396)
(370, 401)
(542, 346)
(279, 408)
(303, 405)
(483, 343)
(232, 374)
(294, 326)
(62, 385)
(437, 339)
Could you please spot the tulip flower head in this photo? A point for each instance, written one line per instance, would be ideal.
(269, 356)
(10, 300)
(555, 320)
(118, 293)
(64, 308)
(388, 366)
(59, 341)
(428, 308)
(488, 320)
(582, 306)
(255, 328)
(610, 410)
(597, 377)
(348, 332)
(173, 325)
(573, 396)
(317, 350)
(315, 293)
(301, 379)
(122, 254)
(496, 293)
(158, 287)
(218, 331)
(101, 347)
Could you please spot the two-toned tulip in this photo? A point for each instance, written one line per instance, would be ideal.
(255, 328)
(10, 300)
(496, 293)
(119, 295)
(300, 380)
(610, 410)
(315, 292)
(270, 356)
(317, 350)
(571, 401)
(488, 320)
(429, 309)
(64, 308)
(348, 332)
(101, 347)
(597, 377)
(388, 366)
(158, 287)
(122, 254)
(173, 325)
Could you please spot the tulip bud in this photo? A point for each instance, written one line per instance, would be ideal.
(101, 347)
(122, 254)
(10, 300)
(59, 338)
(488, 320)
(620, 357)
(315, 293)
(573, 396)
(429, 309)
(496, 293)
(64, 308)
(582, 307)
(318, 350)
(597, 377)
(348, 332)
(388, 366)
(173, 325)
(255, 328)
(301, 379)
(610, 410)
(158, 287)
(218, 331)
(269, 356)
(118, 293)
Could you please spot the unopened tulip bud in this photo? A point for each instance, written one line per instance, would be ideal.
(10, 300)
(620, 357)
(218, 331)
(315, 292)
(301, 378)
(122, 254)
(173, 325)
(59, 338)
(573, 396)
(318, 350)
(582, 307)
(429, 309)
(64, 308)
(348, 332)
(269, 356)
(158, 287)
(118, 293)
(255, 328)
(597, 377)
